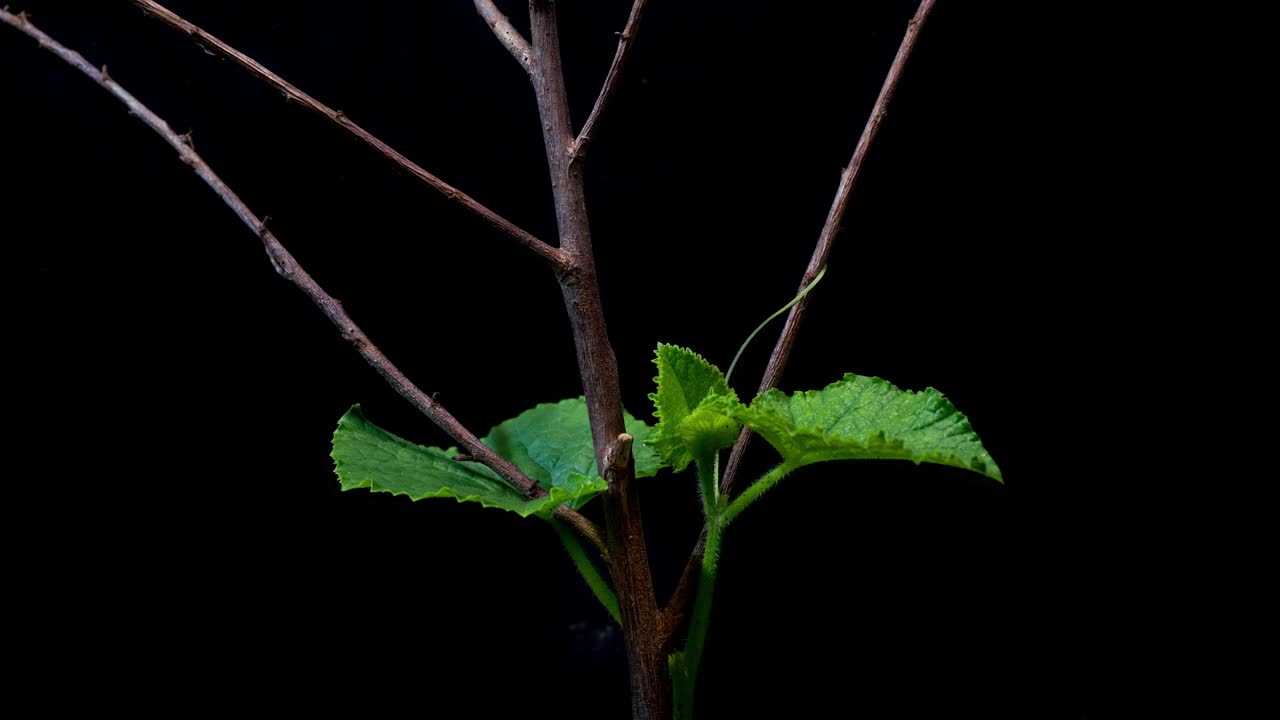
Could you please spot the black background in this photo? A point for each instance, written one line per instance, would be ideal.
(176, 398)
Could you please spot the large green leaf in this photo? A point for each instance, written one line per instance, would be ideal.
(861, 418)
(552, 442)
(693, 405)
(366, 456)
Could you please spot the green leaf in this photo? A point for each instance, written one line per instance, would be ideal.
(693, 405)
(552, 441)
(366, 456)
(861, 418)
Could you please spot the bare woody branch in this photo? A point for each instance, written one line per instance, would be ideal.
(510, 38)
(548, 253)
(598, 368)
(288, 267)
(675, 611)
(626, 39)
(787, 340)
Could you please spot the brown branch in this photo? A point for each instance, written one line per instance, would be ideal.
(548, 253)
(507, 34)
(624, 527)
(676, 610)
(787, 340)
(585, 528)
(676, 613)
(626, 39)
(285, 264)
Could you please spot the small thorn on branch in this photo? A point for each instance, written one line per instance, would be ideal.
(262, 224)
(191, 143)
(464, 458)
(105, 77)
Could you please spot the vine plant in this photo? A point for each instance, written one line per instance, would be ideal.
(548, 462)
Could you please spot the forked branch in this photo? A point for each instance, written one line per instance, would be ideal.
(675, 613)
(548, 253)
(288, 267)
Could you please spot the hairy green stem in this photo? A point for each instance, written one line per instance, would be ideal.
(598, 584)
(753, 493)
(708, 477)
(684, 665)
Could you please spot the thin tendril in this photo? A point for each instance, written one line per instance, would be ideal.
(769, 319)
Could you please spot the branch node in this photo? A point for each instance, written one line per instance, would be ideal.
(191, 143)
(262, 225)
(618, 455)
(275, 265)
(24, 17)
(464, 458)
(623, 456)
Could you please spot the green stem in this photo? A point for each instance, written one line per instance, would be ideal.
(687, 662)
(709, 478)
(599, 586)
(701, 619)
(753, 493)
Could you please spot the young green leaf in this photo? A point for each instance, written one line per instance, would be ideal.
(861, 418)
(693, 406)
(552, 441)
(366, 456)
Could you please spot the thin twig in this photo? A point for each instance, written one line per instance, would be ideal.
(291, 93)
(510, 38)
(787, 340)
(288, 267)
(676, 610)
(626, 39)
